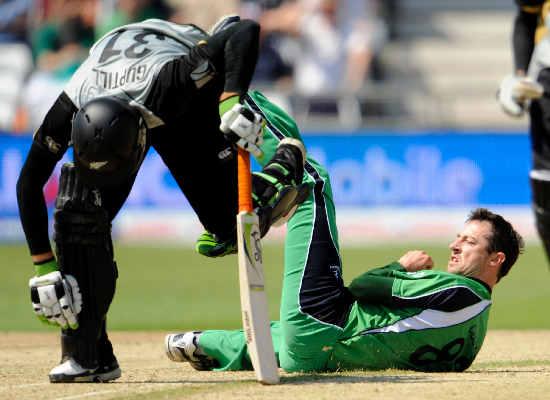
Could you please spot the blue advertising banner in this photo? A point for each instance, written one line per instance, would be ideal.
(443, 169)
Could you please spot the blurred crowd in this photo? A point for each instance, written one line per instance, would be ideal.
(317, 50)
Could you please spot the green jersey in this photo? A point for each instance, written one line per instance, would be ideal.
(427, 320)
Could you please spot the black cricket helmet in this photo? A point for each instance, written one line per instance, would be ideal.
(109, 139)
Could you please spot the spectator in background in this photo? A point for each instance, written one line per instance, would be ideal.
(60, 44)
(273, 74)
(203, 13)
(272, 68)
(16, 60)
(337, 41)
(129, 11)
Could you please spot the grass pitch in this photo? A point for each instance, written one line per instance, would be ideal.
(175, 288)
(166, 289)
(511, 365)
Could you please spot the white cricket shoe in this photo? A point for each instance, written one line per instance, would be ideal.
(71, 371)
(183, 347)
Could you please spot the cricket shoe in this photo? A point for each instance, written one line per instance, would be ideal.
(283, 208)
(183, 347)
(302, 194)
(71, 371)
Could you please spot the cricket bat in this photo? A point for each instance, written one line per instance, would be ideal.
(254, 308)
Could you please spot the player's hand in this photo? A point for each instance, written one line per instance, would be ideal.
(56, 299)
(416, 260)
(210, 245)
(515, 93)
(242, 126)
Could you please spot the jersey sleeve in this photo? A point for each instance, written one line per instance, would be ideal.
(375, 286)
(49, 144)
(523, 36)
(234, 51)
(392, 286)
(437, 290)
(54, 135)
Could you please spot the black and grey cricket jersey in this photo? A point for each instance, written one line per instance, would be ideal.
(174, 75)
(126, 61)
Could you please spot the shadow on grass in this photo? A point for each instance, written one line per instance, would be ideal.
(306, 379)
(290, 380)
(508, 370)
(388, 376)
(294, 379)
(184, 381)
(508, 366)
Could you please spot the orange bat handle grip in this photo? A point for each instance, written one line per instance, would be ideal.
(245, 181)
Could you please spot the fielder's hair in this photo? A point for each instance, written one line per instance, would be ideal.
(504, 238)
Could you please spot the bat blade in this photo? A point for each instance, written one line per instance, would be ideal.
(255, 314)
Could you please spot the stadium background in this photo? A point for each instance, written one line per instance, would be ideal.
(419, 143)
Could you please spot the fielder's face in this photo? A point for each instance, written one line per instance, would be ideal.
(469, 251)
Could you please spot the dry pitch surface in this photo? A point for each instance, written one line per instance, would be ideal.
(511, 365)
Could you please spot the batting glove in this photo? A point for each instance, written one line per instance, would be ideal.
(241, 126)
(210, 245)
(56, 298)
(515, 92)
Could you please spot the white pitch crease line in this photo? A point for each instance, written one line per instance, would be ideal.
(24, 386)
(89, 394)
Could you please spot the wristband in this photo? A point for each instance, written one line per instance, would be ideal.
(227, 104)
(45, 267)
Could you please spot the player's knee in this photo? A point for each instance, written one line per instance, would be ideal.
(79, 216)
(82, 234)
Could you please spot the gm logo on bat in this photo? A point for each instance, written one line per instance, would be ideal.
(257, 250)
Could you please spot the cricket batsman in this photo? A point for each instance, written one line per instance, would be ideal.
(154, 83)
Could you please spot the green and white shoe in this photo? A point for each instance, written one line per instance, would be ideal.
(184, 347)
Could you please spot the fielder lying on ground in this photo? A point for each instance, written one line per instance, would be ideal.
(404, 315)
